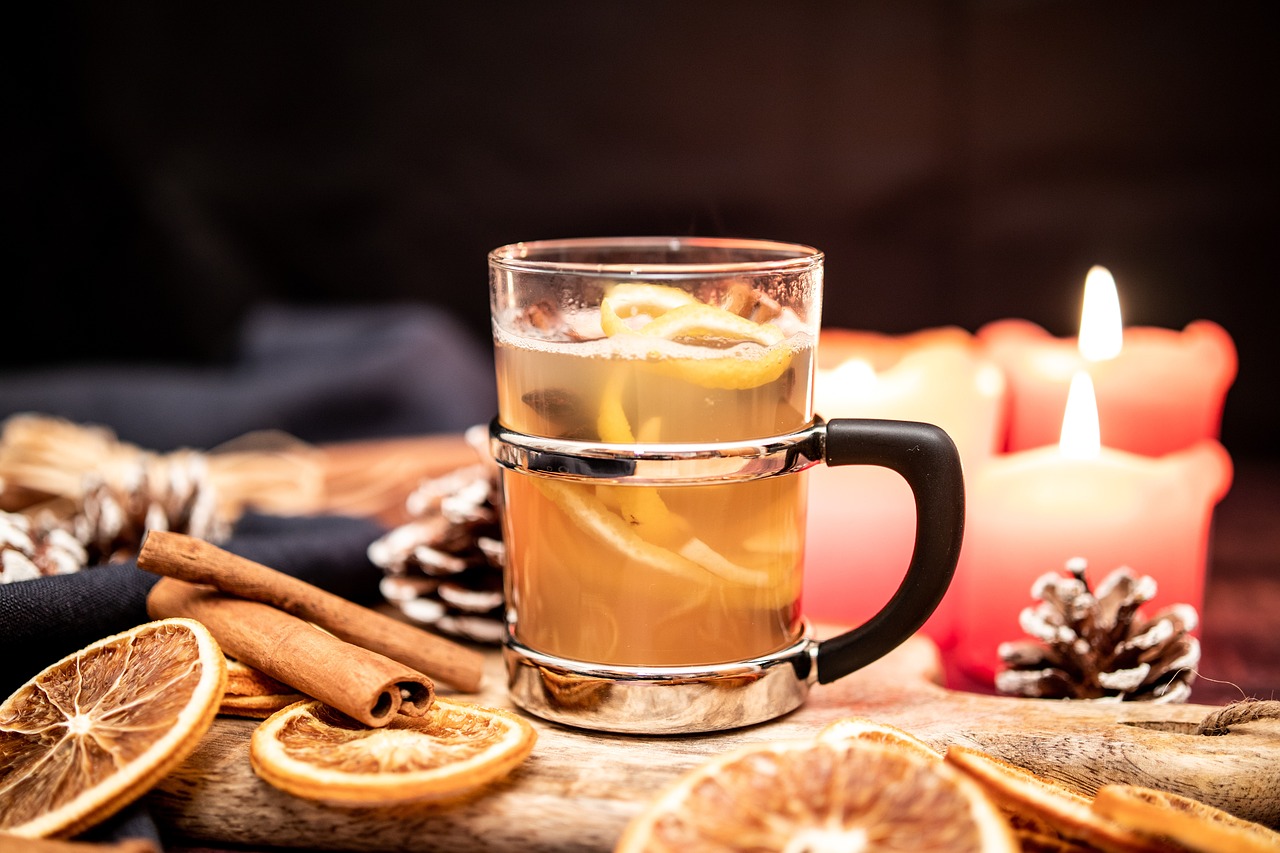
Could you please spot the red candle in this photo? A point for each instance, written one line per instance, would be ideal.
(1160, 391)
(862, 519)
(1030, 512)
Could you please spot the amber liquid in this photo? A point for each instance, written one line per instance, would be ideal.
(641, 575)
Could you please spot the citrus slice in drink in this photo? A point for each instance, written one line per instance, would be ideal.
(595, 520)
(674, 315)
(651, 531)
(707, 325)
(1185, 821)
(819, 794)
(310, 750)
(629, 305)
(1040, 807)
(96, 730)
(760, 353)
(641, 507)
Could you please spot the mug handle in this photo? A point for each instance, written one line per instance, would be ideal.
(927, 459)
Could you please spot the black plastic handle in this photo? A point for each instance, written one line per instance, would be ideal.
(927, 459)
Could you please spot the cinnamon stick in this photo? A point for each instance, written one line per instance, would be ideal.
(187, 558)
(360, 683)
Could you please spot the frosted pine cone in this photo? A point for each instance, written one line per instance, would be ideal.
(443, 568)
(149, 493)
(108, 492)
(1098, 645)
(33, 548)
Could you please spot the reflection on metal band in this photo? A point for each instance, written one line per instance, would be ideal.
(660, 700)
(658, 464)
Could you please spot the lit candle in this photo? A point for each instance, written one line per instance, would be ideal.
(1032, 511)
(938, 376)
(861, 518)
(1158, 390)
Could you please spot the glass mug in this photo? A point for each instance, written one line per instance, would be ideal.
(655, 420)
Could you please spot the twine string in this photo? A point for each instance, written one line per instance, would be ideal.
(1219, 722)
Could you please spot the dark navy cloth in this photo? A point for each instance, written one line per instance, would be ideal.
(320, 374)
(43, 620)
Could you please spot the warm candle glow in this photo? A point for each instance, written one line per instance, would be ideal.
(1101, 330)
(936, 376)
(1163, 392)
(855, 378)
(1081, 437)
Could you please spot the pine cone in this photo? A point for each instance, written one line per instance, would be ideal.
(1098, 645)
(443, 568)
(33, 548)
(108, 492)
(171, 492)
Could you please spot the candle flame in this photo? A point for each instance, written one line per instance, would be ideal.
(1081, 437)
(1101, 331)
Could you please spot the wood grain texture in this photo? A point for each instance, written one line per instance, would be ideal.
(578, 789)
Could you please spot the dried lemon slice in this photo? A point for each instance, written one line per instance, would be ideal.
(94, 731)
(312, 751)
(1188, 822)
(1038, 806)
(820, 794)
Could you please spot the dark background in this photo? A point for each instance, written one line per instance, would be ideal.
(173, 165)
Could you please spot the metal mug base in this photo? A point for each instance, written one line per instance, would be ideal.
(661, 700)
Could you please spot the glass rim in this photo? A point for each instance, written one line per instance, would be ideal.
(759, 256)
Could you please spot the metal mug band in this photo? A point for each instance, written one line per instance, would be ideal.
(661, 700)
(667, 699)
(658, 464)
(715, 696)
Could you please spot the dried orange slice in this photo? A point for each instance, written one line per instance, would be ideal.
(819, 794)
(252, 693)
(882, 733)
(312, 751)
(1038, 806)
(1183, 820)
(96, 730)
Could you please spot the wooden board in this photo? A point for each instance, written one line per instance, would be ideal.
(578, 789)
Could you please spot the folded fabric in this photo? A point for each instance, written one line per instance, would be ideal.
(320, 374)
(43, 620)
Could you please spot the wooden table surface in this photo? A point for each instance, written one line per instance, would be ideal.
(1240, 646)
